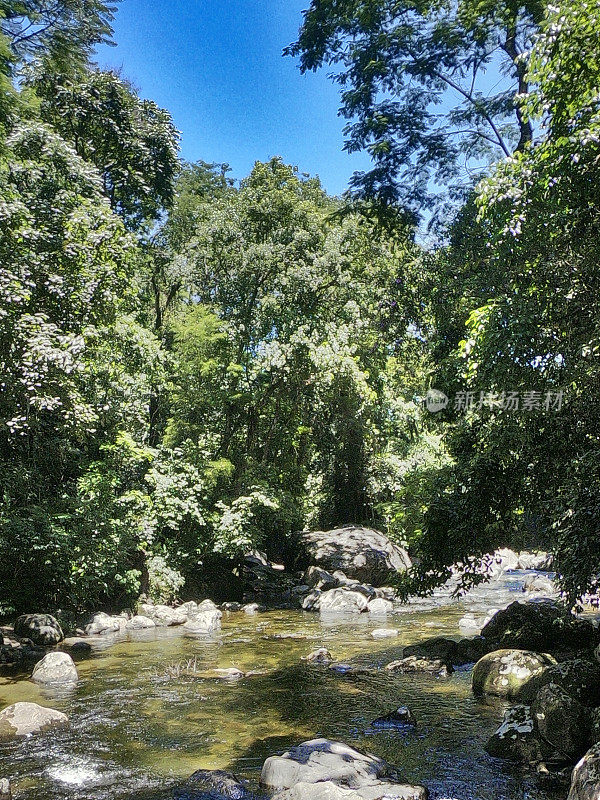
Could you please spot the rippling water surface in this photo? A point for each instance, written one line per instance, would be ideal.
(137, 727)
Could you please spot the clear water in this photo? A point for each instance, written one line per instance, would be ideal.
(137, 727)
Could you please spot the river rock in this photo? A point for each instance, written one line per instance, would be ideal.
(542, 562)
(342, 601)
(504, 672)
(320, 761)
(55, 668)
(578, 677)
(379, 607)
(139, 622)
(22, 719)
(312, 601)
(516, 739)
(501, 560)
(385, 633)
(5, 790)
(42, 629)
(231, 606)
(328, 790)
(214, 785)
(253, 608)
(562, 722)
(167, 617)
(206, 621)
(102, 623)
(438, 648)
(585, 781)
(544, 626)
(401, 717)
(317, 578)
(76, 644)
(360, 553)
(420, 664)
(319, 656)
(539, 584)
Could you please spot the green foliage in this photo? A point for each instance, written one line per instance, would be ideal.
(132, 142)
(414, 86)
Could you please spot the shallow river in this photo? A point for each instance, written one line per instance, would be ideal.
(137, 727)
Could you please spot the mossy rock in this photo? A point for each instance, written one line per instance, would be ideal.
(504, 673)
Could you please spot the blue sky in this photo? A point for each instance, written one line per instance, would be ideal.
(216, 65)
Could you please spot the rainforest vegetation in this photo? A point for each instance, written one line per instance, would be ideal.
(193, 365)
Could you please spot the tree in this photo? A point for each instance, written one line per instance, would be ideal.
(530, 472)
(63, 31)
(415, 85)
(132, 142)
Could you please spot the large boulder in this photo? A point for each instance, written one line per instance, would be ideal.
(42, 629)
(22, 719)
(342, 601)
(140, 623)
(317, 578)
(166, 617)
(503, 673)
(578, 677)
(55, 668)
(562, 722)
(545, 626)
(206, 621)
(304, 771)
(102, 624)
(585, 781)
(539, 561)
(361, 553)
(517, 739)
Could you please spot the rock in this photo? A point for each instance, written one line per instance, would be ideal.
(502, 560)
(561, 721)
(328, 790)
(317, 578)
(544, 626)
(416, 664)
(22, 719)
(319, 762)
(231, 606)
(253, 608)
(504, 672)
(229, 673)
(42, 629)
(167, 617)
(214, 785)
(312, 601)
(585, 781)
(55, 668)
(102, 623)
(437, 648)
(205, 622)
(342, 601)
(538, 561)
(360, 553)
(320, 656)
(516, 738)
(400, 718)
(595, 726)
(76, 645)
(5, 791)
(139, 622)
(380, 607)
(190, 607)
(468, 651)
(385, 633)
(539, 584)
(578, 677)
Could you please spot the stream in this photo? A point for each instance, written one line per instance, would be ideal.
(138, 725)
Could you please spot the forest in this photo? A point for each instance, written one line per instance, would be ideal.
(194, 366)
